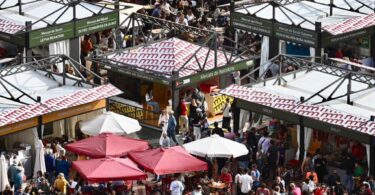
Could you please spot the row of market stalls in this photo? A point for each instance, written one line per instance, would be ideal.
(330, 107)
(42, 28)
(36, 102)
(311, 25)
(171, 59)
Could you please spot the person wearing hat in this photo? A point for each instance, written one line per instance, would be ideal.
(171, 130)
(157, 11)
(60, 184)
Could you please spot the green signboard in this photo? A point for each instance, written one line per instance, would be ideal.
(330, 39)
(96, 23)
(296, 35)
(205, 75)
(336, 129)
(50, 35)
(251, 24)
(137, 74)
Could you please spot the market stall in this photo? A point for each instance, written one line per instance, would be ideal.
(47, 27)
(38, 103)
(336, 107)
(170, 68)
(294, 28)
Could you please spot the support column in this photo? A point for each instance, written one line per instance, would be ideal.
(274, 47)
(318, 48)
(95, 68)
(74, 49)
(236, 116)
(372, 155)
(107, 104)
(372, 45)
(301, 136)
(28, 51)
(175, 98)
(40, 122)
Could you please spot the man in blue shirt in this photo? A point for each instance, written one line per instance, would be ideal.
(157, 11)
(50, 165)
(12, 172)
(171, 131)
(18, 182)
(63, 166)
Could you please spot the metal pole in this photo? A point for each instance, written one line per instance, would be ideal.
(318, 47)
(133, 29)
(349, 89)
(20, 8)
(215, 47)
(40, 121)
(301, 136)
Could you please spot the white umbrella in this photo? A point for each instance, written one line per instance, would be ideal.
(216, 146)
(110, 122)
(3, 174)
(40, 164)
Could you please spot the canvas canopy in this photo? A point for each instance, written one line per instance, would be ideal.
(304, 13)
(52, 21)
(167, 56)
(326, 95)
(351, 25)
(54, 95)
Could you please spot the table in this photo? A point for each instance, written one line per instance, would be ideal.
(215, 187)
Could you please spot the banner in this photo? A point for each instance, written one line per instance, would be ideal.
(51, 34)
(252, 24)
(26, 124)
(74, 111)
(96, 23)
(296, 35)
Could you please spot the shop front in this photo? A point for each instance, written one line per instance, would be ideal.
(170, 70)
(37, 103)
(42, 28)
(324, 116)
(295, 28)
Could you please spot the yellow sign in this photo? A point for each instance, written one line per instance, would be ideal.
(77, 110)
(29, 123)
(130, 111)
(220, 101)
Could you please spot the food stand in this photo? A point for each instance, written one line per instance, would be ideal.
(170, 67)
(37, 103)
(298, 22)
(327, 105)
(36, 24)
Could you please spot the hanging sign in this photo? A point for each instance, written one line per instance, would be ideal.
(51, 34)
(205, 75)
(251, 24)
(74, 111)
(96, 23)
(11, 128)
(296, 35)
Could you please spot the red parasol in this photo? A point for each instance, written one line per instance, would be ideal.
(108, 169)
(107, 145)
(163, 161)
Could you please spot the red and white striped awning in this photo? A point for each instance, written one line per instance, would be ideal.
(350, 25)
(288, 104)
(170, 55)
(9, 27)
(80, 97)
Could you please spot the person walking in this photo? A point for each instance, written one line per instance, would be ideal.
(176, 186)
(246, 182)
(60, 184)
(171, 130)
(183, 119)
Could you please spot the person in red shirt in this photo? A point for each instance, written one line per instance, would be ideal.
(339, 53)
(358, 151)
(226, 177)
(263, 190)
(183, 119)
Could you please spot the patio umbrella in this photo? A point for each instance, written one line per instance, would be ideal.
(40, 164)
(108, 169)
(110, 122)
(107, 145)
(3, 174)
(216, 146)
(163, 161)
